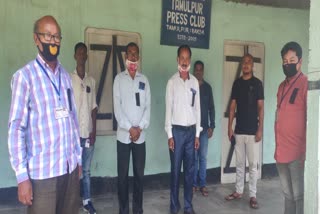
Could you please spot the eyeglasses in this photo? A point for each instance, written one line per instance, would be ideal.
(48, 37)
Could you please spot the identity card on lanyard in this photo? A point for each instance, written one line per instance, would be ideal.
(59, 112)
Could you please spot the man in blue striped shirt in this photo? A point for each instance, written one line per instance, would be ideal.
(43, 135)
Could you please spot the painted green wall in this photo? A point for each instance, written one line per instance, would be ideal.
(233, 21)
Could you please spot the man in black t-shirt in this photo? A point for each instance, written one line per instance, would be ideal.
(247, 97)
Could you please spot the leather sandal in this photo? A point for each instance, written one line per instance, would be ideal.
(233, 196)
(204, 191)
(253, 203)
(195, 189)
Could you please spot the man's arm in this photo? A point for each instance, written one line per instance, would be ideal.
(94, 112)
(198, 110)
(233, 106)
(122, 120)
(260, 124)
(169, 107)
(18, 121)
(145, 120)
(260, 106)
(212, 124)
(94, 124)
(198, 117)
(76, 130)
(168, 121)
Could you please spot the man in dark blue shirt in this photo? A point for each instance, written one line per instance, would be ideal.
(207, 113)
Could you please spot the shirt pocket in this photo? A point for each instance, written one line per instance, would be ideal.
(295, 100)
(193, 93)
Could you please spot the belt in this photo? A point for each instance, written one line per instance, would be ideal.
(185, 128)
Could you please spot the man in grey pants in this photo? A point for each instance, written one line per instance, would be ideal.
(290, 128)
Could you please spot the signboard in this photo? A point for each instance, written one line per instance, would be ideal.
(186, 22)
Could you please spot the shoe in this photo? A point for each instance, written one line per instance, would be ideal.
(89, 208)
(189, 212)
(175, 212)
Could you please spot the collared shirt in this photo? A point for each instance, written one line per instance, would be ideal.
(41, 146)
(182, 103)
(291, 116)
(207, 106)
(85, 98)
(131, 101)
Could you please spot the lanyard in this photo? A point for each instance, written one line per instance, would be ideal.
(54, 85)
(285, 94)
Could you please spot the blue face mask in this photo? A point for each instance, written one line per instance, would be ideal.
(290, 69)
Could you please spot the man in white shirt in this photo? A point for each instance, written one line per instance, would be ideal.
(183, 127)
(85, 98)
(131, 100)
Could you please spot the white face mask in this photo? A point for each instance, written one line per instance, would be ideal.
(132, 66)
(181, 69)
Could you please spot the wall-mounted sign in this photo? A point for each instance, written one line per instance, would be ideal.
(186, 22)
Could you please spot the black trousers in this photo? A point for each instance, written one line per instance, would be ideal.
(138, 161)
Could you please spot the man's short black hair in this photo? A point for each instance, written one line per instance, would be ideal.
(79, 45)
(198, 62)
(293, 46)
(247, 55)
(132, 44)
(184, 47)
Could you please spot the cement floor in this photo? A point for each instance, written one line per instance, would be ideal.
(157, 201)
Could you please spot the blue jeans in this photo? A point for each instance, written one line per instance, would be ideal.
(200, 161)
(183, 151)
(87, 154)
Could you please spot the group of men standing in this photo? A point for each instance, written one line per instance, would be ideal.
(52, 127)
(290, 128)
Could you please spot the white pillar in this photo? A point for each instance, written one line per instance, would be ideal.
(312, 178)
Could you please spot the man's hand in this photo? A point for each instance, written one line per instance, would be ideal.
(25, 194)
(171, 144)
(80, 171)
(302, 161)
(134, 133)
(230, 133)
(258, 136)
(196, 143)
(92, 137)
(210, 132)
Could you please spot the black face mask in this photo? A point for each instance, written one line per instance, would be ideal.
(290, 69)
(50, 51)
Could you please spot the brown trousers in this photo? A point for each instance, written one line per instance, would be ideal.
(58, 195)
